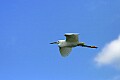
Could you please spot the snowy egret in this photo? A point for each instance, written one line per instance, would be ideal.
(72, 40)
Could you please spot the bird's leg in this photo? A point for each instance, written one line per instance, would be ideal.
(83, 45)
(89, 46)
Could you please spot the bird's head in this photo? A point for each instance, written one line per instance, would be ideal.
(54, 42)
(58, 42)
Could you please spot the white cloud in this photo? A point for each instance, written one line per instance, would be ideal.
(110, 54)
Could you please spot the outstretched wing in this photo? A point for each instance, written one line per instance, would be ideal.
(65, 51)
(72, 37)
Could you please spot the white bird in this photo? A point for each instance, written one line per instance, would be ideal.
(72, 40)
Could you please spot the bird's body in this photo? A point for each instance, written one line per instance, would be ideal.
(72, 40)
(64, 43)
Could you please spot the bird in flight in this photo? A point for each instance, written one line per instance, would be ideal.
(72, 40)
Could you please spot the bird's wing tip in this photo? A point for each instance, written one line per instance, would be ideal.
(71, 34)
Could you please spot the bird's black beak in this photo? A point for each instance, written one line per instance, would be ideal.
(54, 43)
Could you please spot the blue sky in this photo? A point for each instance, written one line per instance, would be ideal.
(28, 26)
